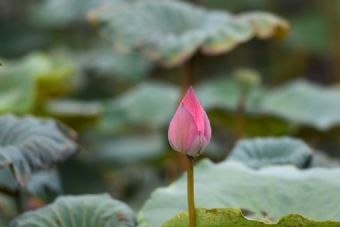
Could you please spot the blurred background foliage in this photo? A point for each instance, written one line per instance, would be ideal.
(81, 62)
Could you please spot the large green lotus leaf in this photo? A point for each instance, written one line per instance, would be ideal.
(79, 211)
(302, 102)
(170, 31)
(149, 104)
(25, 82)
(268, 193)
(233, 217)
(28, 145)
(269, 151)
(260, 152)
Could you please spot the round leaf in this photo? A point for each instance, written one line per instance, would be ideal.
(79, 211)
(173, 30)
(272, 192)
(260, 152)
(305, 103)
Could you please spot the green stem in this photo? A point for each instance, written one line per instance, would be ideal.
(190, 190)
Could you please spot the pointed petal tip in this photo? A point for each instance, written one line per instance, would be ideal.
(191, 89)
(190, 95)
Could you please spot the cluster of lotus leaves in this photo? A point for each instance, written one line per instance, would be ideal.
(231, 193)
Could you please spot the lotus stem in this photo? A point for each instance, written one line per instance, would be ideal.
(190, 191)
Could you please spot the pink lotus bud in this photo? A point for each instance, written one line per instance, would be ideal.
(189, 130)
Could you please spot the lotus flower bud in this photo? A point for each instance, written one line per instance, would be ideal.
(189, 130)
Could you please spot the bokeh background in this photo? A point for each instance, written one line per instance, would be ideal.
(57, 62)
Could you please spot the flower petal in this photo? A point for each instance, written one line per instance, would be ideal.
(182, 130)
(198, 146)
(191, 101)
